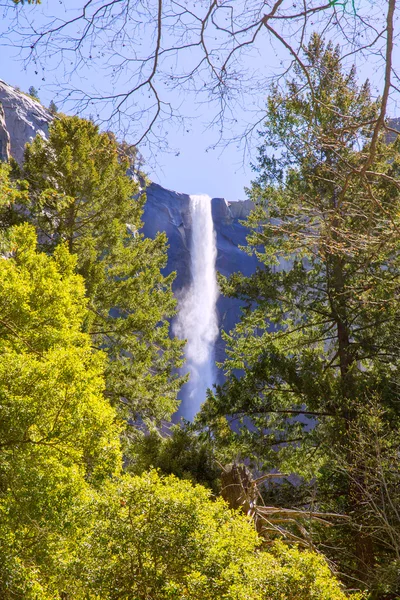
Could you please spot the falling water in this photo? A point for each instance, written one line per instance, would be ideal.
(197, 319)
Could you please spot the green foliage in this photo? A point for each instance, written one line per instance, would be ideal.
(79, 194)
(78, 189)
(33, 92)
(59, 438)
(168, 539)
(70, 526)
(375, 446)
(180, 452)
(320, 332)
(9, 196)
(53, 108)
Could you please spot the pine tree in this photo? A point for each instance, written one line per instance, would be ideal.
(320, 333)
(79, 194)
(33, 92)
(53, 108)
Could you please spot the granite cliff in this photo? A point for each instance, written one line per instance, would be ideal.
(168, 211)
(21, 118)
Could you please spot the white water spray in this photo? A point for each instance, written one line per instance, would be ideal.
(197, 318)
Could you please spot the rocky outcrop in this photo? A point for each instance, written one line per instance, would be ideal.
(5, 148)
(168, 211)
(24, 118)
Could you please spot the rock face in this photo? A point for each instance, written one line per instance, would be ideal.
(168, 211)
(391, 135)
(24, 118)
(5, 148)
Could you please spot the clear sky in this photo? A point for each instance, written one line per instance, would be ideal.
(190, 165)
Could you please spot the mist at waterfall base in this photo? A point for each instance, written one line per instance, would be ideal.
(197, 320)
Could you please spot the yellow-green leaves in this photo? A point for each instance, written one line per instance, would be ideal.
(57, 432)
(163, 538)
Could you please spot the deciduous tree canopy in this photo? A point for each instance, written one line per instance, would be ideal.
(168, 539)
(59, 437)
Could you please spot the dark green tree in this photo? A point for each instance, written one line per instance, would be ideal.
(320, 331)
(53, 107)
(11, 194)
(80, 195)
(33, 92)
(180, 452)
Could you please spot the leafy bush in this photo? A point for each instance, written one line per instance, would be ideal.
(160, 537)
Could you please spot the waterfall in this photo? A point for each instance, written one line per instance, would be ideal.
(197, 318)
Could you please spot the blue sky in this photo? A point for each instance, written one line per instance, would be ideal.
(190, 165)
